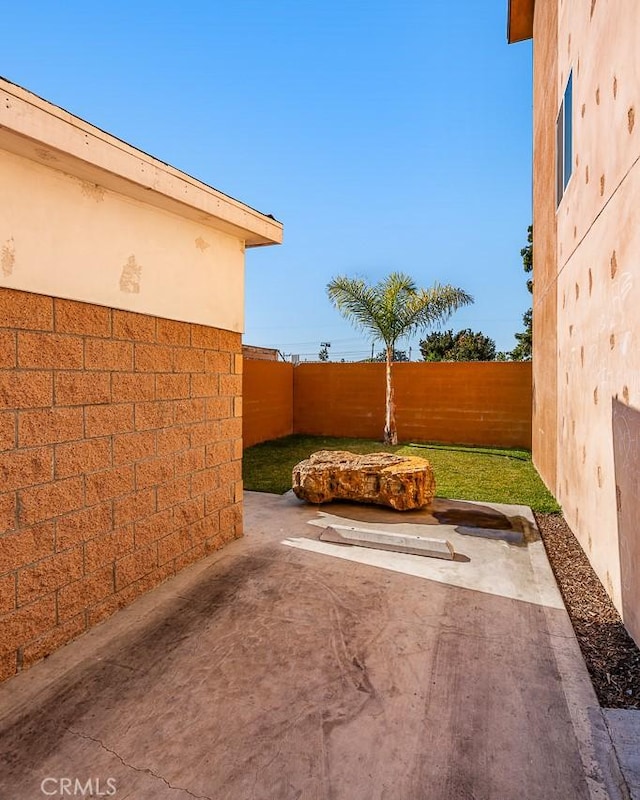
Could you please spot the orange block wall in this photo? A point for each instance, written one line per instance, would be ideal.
(267, 400)
(482, 403)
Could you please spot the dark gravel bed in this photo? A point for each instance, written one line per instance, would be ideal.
(611, 655)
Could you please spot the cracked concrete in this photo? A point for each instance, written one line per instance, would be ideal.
(285, 667)
(146, 771)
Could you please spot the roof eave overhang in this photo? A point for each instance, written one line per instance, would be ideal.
(520, 20)
(36, 129)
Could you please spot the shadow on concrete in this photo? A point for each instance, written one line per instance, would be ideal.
(441, 511)
(469, 515)
(466, 517)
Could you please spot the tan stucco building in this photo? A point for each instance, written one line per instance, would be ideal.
(121, 312)
(586, 302)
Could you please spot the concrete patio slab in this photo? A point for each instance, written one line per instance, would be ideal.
(624, 727)
(286, 667)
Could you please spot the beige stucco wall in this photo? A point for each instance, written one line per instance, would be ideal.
(69, 238)
(87, 217)
(598, 294)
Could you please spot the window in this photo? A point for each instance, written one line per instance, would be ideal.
(564, 140)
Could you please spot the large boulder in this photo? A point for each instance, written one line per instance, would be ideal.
(401, 482)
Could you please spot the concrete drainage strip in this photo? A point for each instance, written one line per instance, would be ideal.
(414, 544)
(383, 540)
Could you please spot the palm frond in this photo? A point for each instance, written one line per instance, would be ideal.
(430, 307)
(357, 302)
(394, 307)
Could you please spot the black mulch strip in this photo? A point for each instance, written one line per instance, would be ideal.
(611, 655)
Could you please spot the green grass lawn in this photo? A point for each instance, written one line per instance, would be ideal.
(465, 473)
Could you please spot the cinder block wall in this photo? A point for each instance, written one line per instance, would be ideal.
(267, 399)
(120, 461)
(485, 403)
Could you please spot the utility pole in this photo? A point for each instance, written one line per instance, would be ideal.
(323, 355)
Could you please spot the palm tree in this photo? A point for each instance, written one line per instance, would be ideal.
(389, 311)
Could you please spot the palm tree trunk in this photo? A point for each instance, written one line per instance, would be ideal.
(390, 432)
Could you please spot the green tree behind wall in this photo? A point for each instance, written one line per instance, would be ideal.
(523, 350)
(465, 345)
(397, 355)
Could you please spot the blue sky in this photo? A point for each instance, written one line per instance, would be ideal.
(384, 135)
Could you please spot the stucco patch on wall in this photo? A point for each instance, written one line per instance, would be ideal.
(8, 256)
(92, 190)
(130, 276)
(46, 155)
